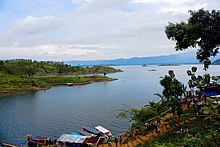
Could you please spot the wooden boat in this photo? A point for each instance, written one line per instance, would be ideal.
(40, 141)
(4, 144)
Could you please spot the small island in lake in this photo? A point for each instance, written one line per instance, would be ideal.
(169, 65)
(21, 75)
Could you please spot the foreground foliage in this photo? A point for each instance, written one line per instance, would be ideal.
(201, 31)
(139, 116)
(173, 92)
(201, 133)
(171, 98)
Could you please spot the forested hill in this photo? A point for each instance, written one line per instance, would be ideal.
(216, 62)
(30, 68)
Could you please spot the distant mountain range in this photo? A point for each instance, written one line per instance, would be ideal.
(181, 58)
(217, 62)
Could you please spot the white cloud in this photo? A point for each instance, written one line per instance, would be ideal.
(175, 6)
(32, 25)
(97, 5)
(49, 51)
(98, 29)
(162, 1)
(80, 1)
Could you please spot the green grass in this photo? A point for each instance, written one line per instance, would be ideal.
(206, 134)
(12, 82)
(56, 80)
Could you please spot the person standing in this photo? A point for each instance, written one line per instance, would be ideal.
(116, 141)
(158, 119)
(176, 120)
(158, 124)
(133, 134)
(120, 139)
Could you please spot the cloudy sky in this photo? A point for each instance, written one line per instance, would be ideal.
(64, 30)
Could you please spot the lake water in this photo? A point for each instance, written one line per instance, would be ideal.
(65, 109)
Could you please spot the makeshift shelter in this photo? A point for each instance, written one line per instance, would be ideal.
(68, 138)
(76, 140)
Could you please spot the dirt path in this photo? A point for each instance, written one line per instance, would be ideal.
(143, 139)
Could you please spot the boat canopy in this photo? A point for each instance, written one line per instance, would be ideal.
(79, 139)
(72, 138)
(76, 133)
(92, 130)
(104, 130)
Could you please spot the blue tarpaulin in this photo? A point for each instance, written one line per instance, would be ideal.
(211, 92)
(76, 133)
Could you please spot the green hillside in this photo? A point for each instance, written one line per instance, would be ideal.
(19, 74)
(32, 68)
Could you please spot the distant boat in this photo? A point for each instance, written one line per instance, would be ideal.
(152, 70)
(69, 84)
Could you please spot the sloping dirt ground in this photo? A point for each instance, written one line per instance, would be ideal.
(142, 139)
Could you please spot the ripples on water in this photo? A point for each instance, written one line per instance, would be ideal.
(65, 109)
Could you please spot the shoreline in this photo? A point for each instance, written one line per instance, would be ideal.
(91, 80)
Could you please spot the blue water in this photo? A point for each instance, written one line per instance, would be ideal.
(65, 109)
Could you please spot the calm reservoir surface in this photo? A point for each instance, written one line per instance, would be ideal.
(65, 109)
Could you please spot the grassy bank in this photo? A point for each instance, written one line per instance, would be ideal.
(12, 83)
(200, 132)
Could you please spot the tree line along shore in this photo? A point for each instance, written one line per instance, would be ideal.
(21, 74)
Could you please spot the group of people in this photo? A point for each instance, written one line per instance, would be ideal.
(117, 140)
(195, 101)
(149, 125)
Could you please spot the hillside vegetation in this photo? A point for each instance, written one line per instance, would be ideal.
(20, 74)
(14, 83)
(31, 68)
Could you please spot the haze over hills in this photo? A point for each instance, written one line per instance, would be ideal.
(216, 62)
(180, 58)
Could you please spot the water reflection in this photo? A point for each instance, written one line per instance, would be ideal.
(65, 109)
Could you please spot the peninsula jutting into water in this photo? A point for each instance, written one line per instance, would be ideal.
(22, 75)
(64, 109)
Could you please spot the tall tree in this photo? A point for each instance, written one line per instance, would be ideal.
(1, 65)
(202, 31)
(173, 91)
